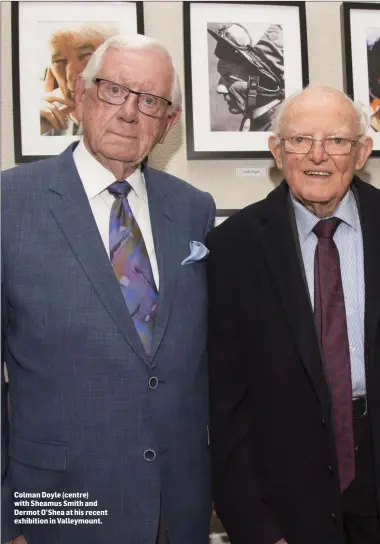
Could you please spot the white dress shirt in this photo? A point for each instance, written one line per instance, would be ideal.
(349, 241)
(96, 178)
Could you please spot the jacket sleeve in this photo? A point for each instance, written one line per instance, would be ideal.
(8, 529)
(237, 496)
(211, 211)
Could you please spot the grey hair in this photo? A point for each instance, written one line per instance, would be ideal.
(362, 118)
(66, 31)
(132, 42)
(95, 30)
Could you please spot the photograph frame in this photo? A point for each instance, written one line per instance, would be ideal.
(30, 146)
(355, 15)
(202, 142)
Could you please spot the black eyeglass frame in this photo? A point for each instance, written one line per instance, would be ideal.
(352, 141)
(98, 80)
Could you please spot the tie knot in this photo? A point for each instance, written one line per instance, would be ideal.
(119, 189)
(326, 227)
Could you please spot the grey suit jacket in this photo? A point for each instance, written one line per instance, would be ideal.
(84, 415)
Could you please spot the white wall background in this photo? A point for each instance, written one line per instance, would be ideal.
(163, 20)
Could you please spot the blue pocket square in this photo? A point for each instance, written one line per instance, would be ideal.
(198, 252)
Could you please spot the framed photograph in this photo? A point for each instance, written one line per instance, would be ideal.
(361, 24)
(241, 60)
(51, 44)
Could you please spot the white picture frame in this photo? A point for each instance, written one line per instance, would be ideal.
(361, 26)
(32, 24)
(206, 139)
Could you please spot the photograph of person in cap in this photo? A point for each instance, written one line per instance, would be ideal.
(373, 48)
(246, 75)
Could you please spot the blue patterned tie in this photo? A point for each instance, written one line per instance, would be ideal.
(131, 264)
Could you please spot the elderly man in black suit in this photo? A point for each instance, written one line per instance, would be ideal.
(294, 339)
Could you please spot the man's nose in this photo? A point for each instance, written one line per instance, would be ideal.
(129, 111)
(73, 69)
(221, 89)
(317, 152)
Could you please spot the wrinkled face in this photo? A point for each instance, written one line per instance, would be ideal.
(317, 177)
(70, 53)
(122, 132)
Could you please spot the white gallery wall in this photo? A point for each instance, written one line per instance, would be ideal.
(163, 20)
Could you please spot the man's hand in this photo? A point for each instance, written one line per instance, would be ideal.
(53, 116)
(18, 540)
(282, 541)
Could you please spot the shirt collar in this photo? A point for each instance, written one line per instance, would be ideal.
(96, 178)
(347, 211)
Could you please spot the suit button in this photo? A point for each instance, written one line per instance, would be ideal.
(153, 382)
(330, 469)
(149, 455)
(323, 423)
(333, 517)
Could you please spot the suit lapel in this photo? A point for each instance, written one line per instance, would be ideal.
(71, 210)
(166, 235)
(369, 208)
(279, 247)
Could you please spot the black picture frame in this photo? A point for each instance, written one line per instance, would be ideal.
(29, 144)
(360, 25)
(202, 141)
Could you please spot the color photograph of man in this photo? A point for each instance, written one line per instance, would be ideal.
(246, 75)
(373, 48)
(69, 50)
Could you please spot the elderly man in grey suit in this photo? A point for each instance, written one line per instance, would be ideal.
(104, 296)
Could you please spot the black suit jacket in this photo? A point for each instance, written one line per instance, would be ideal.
(275, 468)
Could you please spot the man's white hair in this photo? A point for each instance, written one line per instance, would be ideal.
(96, 30)
(132, 42)
(362, 118)
(68, 31)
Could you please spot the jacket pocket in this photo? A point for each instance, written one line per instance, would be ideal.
(46, 455)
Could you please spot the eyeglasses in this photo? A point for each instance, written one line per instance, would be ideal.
(115, 94)
(333, 146)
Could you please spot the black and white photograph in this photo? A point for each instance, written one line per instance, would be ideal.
(241, 61)
(58, 39)
(361, 27)
(246, 67)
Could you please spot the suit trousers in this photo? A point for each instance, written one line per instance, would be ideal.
(359, 506)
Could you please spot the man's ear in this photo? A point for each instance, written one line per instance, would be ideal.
(171, 121)
(80, 91)
(364, 152)
(275, 149)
